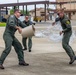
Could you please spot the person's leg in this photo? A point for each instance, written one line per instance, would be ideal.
(24, 42)
(8, 43)
(18, 48)
(29, 43)
(66, 46)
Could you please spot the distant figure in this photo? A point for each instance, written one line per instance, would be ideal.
(67, 32)
(24, 40)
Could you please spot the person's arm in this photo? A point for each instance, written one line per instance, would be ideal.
(22, 24)
(30, 22)
(11, 22)
(19, 29)
(68, 26)
(56, 20)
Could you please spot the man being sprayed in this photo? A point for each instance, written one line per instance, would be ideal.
(67, 32)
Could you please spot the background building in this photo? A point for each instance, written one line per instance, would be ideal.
(40, 13)
(70, 7)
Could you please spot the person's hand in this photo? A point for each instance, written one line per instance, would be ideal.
(53, 23)
(19, 29)
(33, 28)
(61, 32)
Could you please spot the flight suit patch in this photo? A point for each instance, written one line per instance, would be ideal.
(67, 22)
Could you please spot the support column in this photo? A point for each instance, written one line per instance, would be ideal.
(45, 12)
(6, 11)
(18, 7)
(60, 6)
(26, 9)
(35, 10)
(23, 10)
(14, 7)
(0, 15)
(69, 14)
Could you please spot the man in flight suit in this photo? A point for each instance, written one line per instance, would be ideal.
(67, 32)
(24, 40)
(13, 24)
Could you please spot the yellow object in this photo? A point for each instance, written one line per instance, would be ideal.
(38, 19)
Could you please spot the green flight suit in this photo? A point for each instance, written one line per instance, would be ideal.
(24, 40)
(10, 40)
(67, 32)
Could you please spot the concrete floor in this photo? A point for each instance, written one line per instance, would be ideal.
(46, 58)
(55, 63)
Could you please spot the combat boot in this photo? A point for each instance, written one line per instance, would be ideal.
(29, 50)
(72, 60)
(1, 66)
(24, 49)
(22, 63)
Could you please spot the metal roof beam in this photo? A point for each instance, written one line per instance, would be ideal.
(24, 3)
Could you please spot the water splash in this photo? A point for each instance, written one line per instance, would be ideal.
(52, 33)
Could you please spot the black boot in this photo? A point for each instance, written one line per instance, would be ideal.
(29, 50)
(1, 66)
(72, 60)
(24, 49)
(23, 63)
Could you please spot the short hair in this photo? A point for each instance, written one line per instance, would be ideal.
(61, 10)
(16, 10)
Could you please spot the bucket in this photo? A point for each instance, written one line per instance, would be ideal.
(28, 31)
